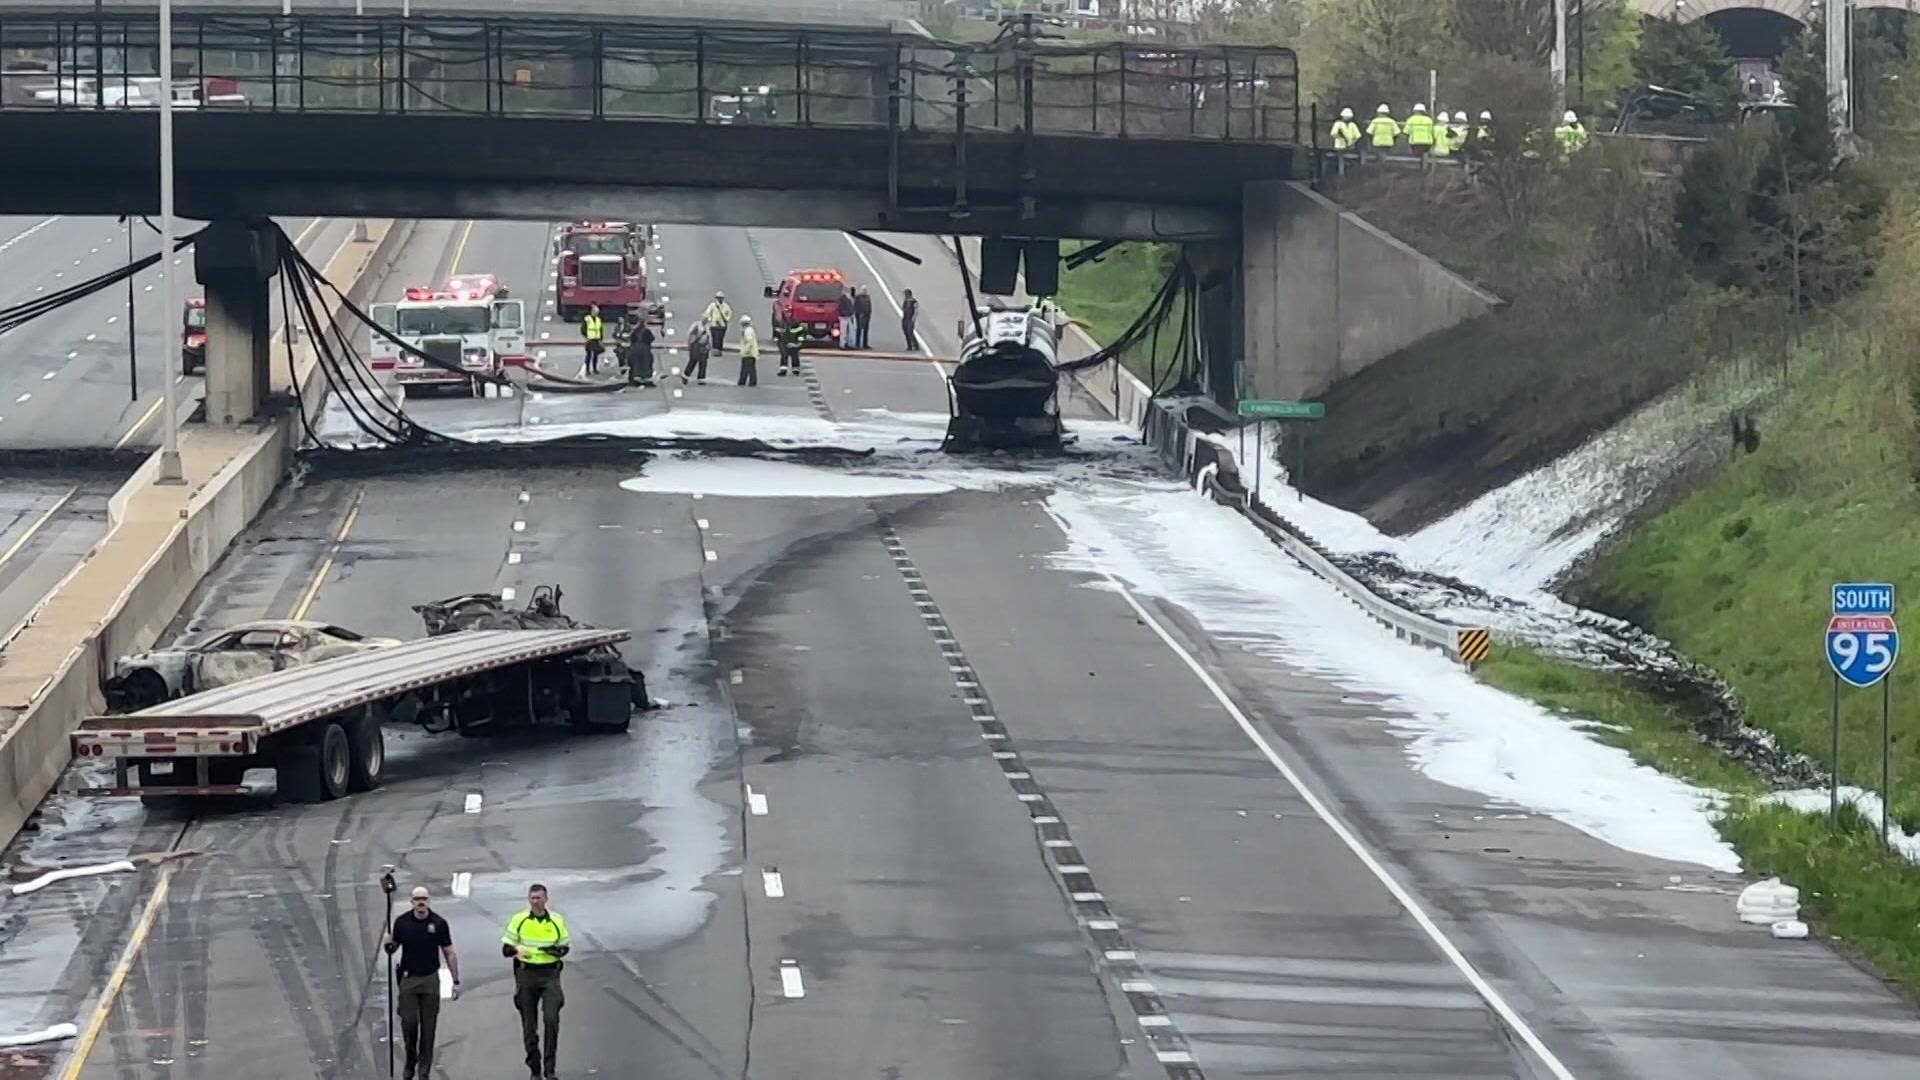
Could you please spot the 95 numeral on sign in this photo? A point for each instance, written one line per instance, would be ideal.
(1876, 646)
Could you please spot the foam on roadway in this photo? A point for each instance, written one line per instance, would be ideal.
(925, 803)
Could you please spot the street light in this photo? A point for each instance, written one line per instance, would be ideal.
(170, 472)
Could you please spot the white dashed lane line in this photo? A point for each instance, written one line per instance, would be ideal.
(473, 802)
(756, 802)
(771, 882)
(790, 981)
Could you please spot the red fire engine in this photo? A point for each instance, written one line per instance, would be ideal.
(193, 337)
(601, 262)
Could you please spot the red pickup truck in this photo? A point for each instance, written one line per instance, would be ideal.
(812, 299)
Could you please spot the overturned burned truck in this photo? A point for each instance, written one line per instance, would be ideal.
(603, 668)
(1004, 393)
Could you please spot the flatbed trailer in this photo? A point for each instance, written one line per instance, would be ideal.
(319, 727)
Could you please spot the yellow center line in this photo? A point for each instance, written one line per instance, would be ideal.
(326, 564)
(37, 526)
(103, 1009)
(465, 235)
(147, 417)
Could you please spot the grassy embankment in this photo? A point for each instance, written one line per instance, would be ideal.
(1735, 573)
(1110, 294)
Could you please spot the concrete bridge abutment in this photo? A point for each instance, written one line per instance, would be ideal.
(234, 260)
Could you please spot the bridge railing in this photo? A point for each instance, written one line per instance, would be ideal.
(621, 69)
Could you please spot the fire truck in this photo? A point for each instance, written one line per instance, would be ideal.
(602, 262)
(469, 325)
(193, 337)
(812, 299)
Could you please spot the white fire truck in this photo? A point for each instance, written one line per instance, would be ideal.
(469, 325)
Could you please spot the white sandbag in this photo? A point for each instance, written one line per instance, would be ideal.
(1766, 902)
(1790, 929)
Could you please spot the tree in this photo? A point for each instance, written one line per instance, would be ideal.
(1377, 50)
(1251, 22)
(1689, 57)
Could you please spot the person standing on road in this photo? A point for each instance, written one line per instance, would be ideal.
(862, 318)
(640, 356)
(749, 353)
(846, 319)
(536, 940)
(718, 317)
(909, 314)
(594, 330)
(698, 343)
(423, 939)
(790, 338)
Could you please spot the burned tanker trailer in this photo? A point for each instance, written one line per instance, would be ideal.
(1004, 392)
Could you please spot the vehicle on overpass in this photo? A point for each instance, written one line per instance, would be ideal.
(318, 729)
(223, 657)
(604, 263)
(468, 336)
(752, 105)
(1660, 111)
(812, 299)
(1003, 393)
(193, 337)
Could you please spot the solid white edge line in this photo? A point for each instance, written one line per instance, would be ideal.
(1458, 959)
(881, 280)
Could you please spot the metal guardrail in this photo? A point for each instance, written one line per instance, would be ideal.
(613, 69)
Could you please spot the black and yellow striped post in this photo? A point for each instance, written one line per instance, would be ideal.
(1474, 645)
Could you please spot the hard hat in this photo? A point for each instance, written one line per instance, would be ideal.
(1346, 114)
(1485, 115)
(1383, 110)
(719, 295)
(1570, 118)
(1419, 107)
(746, 320)
(1445, 116)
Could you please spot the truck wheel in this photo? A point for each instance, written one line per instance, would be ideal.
(336, 762)
(369, 745)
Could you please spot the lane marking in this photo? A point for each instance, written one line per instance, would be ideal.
(461, 249)
(17, 237)
(519, 526)
(28, 396)
(462, 886)
(473, 803)
(326, 564)
(713, 556)
(770, 881)
(756, 802)
(790, 984)
(1494, 999)
(103, 1009)
(880, 280)
(513, 558)
(508, 593)
(38, 524)
(700, 523)
(734, 677)
(49, 375)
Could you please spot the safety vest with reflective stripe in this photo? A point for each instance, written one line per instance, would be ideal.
(1345, 134)
(532, 936)
(1419, 128)
(1384, 131)
(593, 328)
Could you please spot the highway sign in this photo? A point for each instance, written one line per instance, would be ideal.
(1284, 410)
(1861, 649)
(1862, 598)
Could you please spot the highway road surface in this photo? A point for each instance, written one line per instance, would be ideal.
(923, 800)
(47, 524)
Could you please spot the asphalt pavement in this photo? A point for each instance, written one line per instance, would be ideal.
(918, 804)
(47, 525)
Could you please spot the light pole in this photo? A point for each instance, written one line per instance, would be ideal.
(169, 409)
(1559, 62)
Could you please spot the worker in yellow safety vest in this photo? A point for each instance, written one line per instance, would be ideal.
(1484, 131)
(1443, 135)
(1346, 133)
(537, 942)
(1571, 136)
(1383, 131)
(1419, 128)
(594, 329)
(1459, 131)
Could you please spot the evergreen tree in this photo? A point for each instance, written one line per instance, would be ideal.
(1689, 57)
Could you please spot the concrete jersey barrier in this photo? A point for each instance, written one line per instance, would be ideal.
(102, 611)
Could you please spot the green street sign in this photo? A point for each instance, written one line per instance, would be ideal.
(1284, 410)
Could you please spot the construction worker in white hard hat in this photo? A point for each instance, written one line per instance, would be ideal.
(1419, 129)
(1484, 130)
(1459, 132)
(1383, 131)
(1571, 136)
(1345, 137)
(1443, 135)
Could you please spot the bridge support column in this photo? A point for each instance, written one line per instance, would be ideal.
(234, 260)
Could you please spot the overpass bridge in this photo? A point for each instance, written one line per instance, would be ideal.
(1802, 11)
(851, 126)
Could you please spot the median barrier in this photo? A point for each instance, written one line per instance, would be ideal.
(57, 661)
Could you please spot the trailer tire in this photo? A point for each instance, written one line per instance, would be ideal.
(369, 745)
(336, 762)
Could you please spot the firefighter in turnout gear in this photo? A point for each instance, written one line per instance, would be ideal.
(537, 942)
(790, 338)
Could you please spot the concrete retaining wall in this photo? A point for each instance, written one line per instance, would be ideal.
(1328, 294)
(34, 751)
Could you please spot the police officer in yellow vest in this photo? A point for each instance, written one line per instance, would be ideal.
(536, 940)
(1383, 131)
(1419, 129)
(594, 329)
